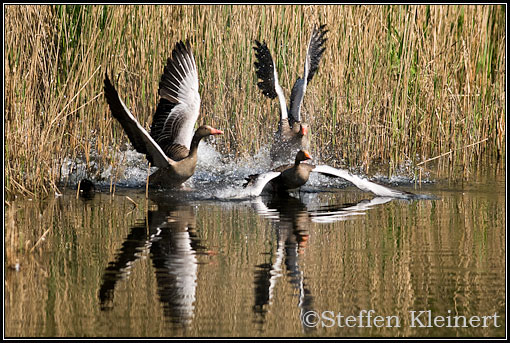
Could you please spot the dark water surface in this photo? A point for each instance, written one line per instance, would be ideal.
(186, 265)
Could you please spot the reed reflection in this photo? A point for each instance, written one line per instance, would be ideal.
(169, 235)
(291, 219)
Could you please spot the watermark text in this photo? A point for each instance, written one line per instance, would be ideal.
(414, 319)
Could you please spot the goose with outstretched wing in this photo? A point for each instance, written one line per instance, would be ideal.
(293, 176)
(171, 146)
(292, 133)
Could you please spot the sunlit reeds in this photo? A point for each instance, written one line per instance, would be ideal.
(396, 83)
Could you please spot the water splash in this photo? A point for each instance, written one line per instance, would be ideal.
(217, 176)
(223, 177)
(130, 170)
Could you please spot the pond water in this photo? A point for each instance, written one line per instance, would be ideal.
(328, 261)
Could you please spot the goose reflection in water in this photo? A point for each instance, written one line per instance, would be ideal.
(291, 219)
(169, 235)
(289, 216)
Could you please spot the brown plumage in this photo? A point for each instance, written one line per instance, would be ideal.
(291, 176)
(288, 139)
(179, 171)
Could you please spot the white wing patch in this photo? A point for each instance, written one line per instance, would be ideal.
(180, 122)
(256, 187)
(362, 183)
(281, 95)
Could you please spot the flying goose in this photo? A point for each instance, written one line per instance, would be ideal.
(171, 145)
(292, 133)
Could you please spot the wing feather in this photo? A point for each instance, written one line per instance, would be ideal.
(179, 106)
(266, 72)
(363, 183)
(313, 56)
(138, 136)
(257, 182)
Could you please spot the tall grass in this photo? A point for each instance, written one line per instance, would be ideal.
(396, 84)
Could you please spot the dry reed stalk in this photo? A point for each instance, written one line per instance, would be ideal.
(433, 80)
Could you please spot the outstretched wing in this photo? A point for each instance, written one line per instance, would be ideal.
(179, 106)
(256, 183)
(138, 136)
(313, 56)
(363, 184)
(315, 50)
(266, 72)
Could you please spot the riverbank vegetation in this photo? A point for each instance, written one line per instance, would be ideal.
(396, 85)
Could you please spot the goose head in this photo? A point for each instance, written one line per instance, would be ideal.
(300, 128)
(303, 155)
(206, 130)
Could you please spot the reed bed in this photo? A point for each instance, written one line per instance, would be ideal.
(396, 85)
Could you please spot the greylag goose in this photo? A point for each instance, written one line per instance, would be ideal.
(171, 145)
(293, 176)
(292, 133)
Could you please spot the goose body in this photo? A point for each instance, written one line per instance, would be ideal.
(171, 145)
(292, 133)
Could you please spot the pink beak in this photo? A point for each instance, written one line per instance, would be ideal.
(216, 132)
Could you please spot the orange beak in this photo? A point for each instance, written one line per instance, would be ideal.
(304, 130)
(307, 155)
(216, 132)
